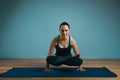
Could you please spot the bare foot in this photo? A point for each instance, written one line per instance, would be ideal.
(81, 70)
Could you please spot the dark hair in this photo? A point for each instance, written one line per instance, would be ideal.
(64, 23)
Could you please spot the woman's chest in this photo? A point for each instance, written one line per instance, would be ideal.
(63, 44)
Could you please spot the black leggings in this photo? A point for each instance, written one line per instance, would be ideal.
(67, 60)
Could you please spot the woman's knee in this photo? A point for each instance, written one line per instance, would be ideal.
(80, 61)
(52, 60)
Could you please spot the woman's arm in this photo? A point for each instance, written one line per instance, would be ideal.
(50, 53)
(75, 47)
(52, 46)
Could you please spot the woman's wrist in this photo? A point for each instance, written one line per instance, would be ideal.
(76, 55)
(47, 66)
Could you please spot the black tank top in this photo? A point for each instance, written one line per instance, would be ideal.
(63, 51)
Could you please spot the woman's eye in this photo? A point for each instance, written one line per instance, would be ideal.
(64, 30)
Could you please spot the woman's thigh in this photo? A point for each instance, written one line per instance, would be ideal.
(74, 61)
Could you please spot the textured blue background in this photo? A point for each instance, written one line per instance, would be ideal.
(28, 26)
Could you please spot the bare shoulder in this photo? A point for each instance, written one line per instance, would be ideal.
(55, 38)
(72, 40)
(54, 41)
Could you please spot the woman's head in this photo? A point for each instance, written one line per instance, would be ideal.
(64, 29)
(64, 23)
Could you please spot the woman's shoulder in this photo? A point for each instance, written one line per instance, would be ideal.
(72, 39)
(55, 38)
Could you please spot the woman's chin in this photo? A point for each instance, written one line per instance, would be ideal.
(65, 36)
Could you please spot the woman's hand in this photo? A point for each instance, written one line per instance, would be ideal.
(47, 70)
(76, 55)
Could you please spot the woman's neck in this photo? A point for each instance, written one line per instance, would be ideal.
(63, 38)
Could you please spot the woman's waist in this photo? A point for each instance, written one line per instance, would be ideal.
(63, 54)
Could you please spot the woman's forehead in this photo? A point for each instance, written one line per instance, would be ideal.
(64, 27)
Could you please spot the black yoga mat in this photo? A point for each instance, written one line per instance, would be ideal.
(58, 72)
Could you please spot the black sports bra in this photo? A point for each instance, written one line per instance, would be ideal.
(63, 51)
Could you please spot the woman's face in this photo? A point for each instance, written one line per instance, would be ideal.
(64, 30)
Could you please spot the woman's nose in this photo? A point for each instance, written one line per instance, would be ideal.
(64, 32)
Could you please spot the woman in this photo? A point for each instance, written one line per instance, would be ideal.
(63, 44)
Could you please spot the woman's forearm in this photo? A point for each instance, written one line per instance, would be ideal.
(47, 65)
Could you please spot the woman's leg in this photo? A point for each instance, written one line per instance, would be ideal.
(52, 60)
(75, 61)
(57, 60)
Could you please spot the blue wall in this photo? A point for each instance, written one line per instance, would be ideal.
(28, 26)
